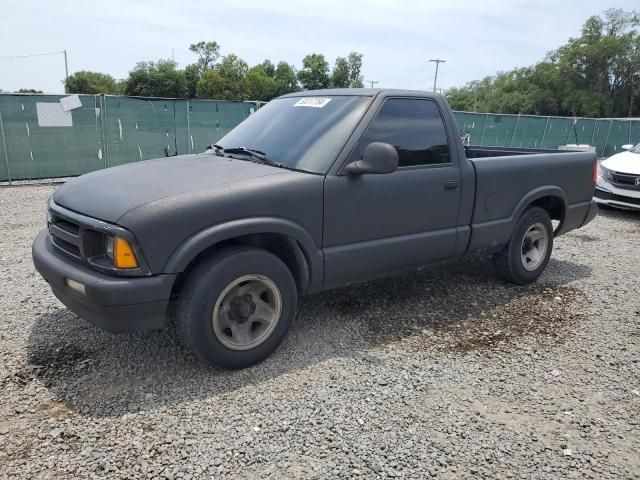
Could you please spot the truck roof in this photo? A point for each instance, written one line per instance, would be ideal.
(363, 92)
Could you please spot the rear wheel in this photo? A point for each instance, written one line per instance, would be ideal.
(236, 307)
(527, 254)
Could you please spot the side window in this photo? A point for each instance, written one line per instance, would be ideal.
(412, 125)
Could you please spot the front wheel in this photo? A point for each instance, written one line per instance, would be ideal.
(527, 254)
(236, 307)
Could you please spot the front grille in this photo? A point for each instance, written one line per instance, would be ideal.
(66, 234)
(618, 198)
(625, 180)
(83, 239)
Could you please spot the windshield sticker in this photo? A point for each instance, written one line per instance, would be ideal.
(313, 102)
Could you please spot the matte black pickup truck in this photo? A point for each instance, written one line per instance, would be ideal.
(316, 190)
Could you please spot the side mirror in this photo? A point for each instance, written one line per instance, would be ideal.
(378, 157)
(626, 147)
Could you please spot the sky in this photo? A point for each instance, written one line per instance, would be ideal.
(397, 38)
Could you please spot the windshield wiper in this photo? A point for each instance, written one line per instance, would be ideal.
(256, 154)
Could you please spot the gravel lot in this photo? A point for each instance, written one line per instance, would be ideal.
(447, 374)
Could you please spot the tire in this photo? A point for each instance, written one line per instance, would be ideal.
(220, 314)
(517, 262)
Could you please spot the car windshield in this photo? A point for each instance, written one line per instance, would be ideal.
(636, 149)
(302, 133)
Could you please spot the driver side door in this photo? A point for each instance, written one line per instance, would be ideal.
(378, 224)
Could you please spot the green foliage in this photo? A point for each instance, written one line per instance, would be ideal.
(315, 72)
(208, 53)
(346, 72)
(227, 82)
(340, 74)
(232, 79)
(91, 83)
(28, 90)
(156, 79)
(286, 79)
(596, 74)
(355, 70)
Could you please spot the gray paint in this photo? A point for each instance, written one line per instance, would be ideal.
(349, 228)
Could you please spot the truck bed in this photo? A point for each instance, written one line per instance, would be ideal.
(507, 181)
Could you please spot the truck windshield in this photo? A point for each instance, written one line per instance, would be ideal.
(302, 133)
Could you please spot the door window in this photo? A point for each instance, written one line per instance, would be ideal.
(414, 126)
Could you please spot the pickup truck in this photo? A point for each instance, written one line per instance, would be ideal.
(314, 191)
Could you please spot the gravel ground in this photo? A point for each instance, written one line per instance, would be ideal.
(449, 374)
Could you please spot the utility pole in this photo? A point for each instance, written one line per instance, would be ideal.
(373, 82)
(437, 61)
(66, 67)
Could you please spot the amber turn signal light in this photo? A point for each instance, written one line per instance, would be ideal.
(123, 255)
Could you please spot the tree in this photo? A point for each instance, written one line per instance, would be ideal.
(208, 53)
(156, 79)
(28, 90)
(227, 82)
(355, 67)
(340, 74)
(315, 72)
(260, 85)
(286, 79)
(91, 83)
(596, 74)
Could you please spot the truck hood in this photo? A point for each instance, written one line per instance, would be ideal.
(111, 193)
(625, 162)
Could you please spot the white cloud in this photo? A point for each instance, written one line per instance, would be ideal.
(397, 38)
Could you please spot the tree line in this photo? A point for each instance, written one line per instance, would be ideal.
(596, 74)
(220, 77)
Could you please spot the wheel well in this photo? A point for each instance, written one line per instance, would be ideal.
(285, 248)
(554, 206)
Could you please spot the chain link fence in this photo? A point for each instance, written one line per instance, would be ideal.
(51, 136)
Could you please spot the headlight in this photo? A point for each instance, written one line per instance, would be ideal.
(108, 246)
(603, 173)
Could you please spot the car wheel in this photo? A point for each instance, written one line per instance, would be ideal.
(236, 307)
(527, 254)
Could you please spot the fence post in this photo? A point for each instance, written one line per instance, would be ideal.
(4, 147)
(486, 120)
(606, 142)
(188, 128)
(514, 131)
(544, 134)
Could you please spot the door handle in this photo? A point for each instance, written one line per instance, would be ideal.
(451, 185)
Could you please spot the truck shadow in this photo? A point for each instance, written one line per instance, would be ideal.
(627, 216)
(459, 308)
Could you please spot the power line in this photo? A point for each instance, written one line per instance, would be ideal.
(34, 55)
(406, 74)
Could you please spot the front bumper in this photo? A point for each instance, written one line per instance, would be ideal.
(612, 199)
(116, 304)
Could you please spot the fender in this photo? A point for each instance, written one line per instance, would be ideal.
(193, 246)
(490, 236)
(536, 194)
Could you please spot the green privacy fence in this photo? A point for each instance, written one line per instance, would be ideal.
(42, 138)
(495, 130)
(49, 136)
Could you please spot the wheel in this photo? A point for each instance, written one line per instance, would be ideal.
(526, 255)
(236, 307)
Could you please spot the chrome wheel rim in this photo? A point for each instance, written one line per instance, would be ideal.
(246, 312)
(534, 247)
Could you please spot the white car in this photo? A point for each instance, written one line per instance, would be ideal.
(618, 182)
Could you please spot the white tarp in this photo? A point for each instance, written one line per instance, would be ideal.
(53, 115)
(70, 102)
